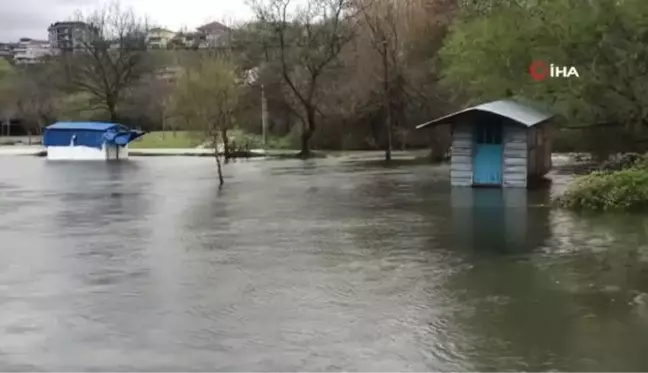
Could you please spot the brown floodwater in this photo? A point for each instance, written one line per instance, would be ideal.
(323, 265)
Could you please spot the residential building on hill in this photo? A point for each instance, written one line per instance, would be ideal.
(215, 34)
(188, 40)
(30, 51)
(68, 36)
(211, 35)
(7, 50)
(159, 38)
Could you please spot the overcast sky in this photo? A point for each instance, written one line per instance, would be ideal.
(30, 18)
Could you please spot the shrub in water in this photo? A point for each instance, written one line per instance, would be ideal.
(604, 191)
(622, 162)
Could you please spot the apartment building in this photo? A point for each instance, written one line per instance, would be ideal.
(68, 36)
(30, 51)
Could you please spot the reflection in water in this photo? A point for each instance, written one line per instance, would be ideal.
(505, 221)
(324, 265)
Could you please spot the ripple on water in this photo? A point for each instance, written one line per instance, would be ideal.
(300, 266)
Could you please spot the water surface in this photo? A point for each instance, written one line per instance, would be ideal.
(314, 266)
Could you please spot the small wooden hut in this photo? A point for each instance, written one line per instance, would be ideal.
(498, 144)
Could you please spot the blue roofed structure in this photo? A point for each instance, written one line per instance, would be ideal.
(86, 126)
(79, 140)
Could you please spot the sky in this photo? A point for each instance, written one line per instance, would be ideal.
(31, 18)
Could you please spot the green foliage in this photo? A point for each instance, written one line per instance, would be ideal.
(6, 70)
(625, 190)
(78, 106)
(31, 93)
(487, 57)
(7, 78)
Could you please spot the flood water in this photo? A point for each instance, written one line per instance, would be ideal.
(323, 265)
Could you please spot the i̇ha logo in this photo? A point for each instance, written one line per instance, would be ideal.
(541, 70)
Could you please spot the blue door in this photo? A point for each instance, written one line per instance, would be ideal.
(487, 162)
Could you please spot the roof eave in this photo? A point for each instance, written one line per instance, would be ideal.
(442, 121)
(485, 108)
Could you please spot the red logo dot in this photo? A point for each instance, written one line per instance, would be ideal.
(539, 70)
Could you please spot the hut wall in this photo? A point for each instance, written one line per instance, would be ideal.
(461, 169)
(514, 172)
(546, 136)
(539, 150)
(532, 154)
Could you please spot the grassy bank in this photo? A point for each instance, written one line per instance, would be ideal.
(625, 189)
(186, 140)
(167, 140)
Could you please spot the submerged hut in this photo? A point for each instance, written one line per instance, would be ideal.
(88, 141)
(498, 144)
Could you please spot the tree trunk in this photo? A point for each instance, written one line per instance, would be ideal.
(307, 133)
(226, 146)
(163, 126)
(388, 119)
(305, 140)
(220, 170)
(264, 118)
(112, 110)
(221, 181)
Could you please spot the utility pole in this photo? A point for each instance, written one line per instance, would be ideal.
(264, 117)
(388, 121)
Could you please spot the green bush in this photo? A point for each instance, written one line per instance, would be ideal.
(625, 190)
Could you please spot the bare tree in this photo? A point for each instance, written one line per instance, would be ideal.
(146, 102)
(405, 36)
(33, 97)
(306, 40)
(381, 19)
(7, 78)
(205, 100)
(111, 56)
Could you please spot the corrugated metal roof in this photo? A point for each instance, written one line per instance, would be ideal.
(518, 112)
(81, 126)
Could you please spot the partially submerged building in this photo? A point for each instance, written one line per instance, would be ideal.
(88, 141)
(498, 144)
